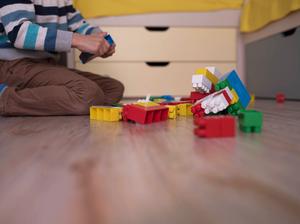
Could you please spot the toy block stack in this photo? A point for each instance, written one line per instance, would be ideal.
(222, 95)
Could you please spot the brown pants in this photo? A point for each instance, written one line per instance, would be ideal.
(41, 87)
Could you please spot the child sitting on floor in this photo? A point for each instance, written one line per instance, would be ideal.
(32, 32)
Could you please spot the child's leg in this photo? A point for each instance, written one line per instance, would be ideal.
(39, 87)
(112, 88)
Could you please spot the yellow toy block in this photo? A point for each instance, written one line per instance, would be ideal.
(159, 100)
(172, 111)
(252, 99)
(184, 109)
(102, 113)
(147, 104)
(235, 98)
(211, 77)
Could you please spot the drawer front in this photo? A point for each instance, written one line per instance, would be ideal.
(141, 79)
(173, 44)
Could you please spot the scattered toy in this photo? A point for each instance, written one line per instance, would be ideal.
(280, 98)
(215, 126)
(250, 121)
(103, 113)
(145, 115)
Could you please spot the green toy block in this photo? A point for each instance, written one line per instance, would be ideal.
(117, 105)
(222, 85)
(234, 109)
(250, 121)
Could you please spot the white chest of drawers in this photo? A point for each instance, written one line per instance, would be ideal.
(161, 58)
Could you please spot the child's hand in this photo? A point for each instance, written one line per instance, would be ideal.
(94, 44)
(110, 51)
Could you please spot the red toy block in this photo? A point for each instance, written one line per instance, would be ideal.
(280, 97)
(197, 110)
(215, 126)
(225, 94)
(197, 96)
(145, 115)
(177, 102)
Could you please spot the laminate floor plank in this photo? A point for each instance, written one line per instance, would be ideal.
(72, 170)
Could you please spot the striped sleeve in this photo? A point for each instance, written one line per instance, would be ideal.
(77, 23)
(18, 18)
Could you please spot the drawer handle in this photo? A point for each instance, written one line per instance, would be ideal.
(290, 32)
(158, 64)
(157, 28)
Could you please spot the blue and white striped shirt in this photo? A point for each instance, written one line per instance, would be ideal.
(29, 26)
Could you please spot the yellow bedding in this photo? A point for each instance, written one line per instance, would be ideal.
(94, 8)
(258, 13)
(255, 13)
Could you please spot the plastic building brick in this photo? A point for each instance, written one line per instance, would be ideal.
(280, 98)
(146, 100)
(159, 100)
(210, 76)
(156, 99)
(221, 85)
(185, 101)
(172, 111)
(117, 105)
(235, 97)
(235, 83)
(197, 95)
(102, 113)
(214, 71)
(217, 101)
(250, 121)
(184, 109)
(234, 109)
(215, 126)
(168, 97)
(163, 98)
(145, 115)
(201, 83)
(197, 110)
(252, 99)
(109, 39)
(147, 104)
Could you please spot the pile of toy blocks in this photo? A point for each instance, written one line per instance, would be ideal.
(215, 103)
(147, 111)
(218, 99)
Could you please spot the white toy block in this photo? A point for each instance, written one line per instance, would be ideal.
(217, 101)
(200, 82)
(214, 71)
(145, 100)
(177, 98)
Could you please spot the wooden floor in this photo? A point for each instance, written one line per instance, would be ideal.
(61, 170)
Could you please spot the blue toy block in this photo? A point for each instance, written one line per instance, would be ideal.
(109, 39)
(84, 57)
(235, 83)
(167, 97)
